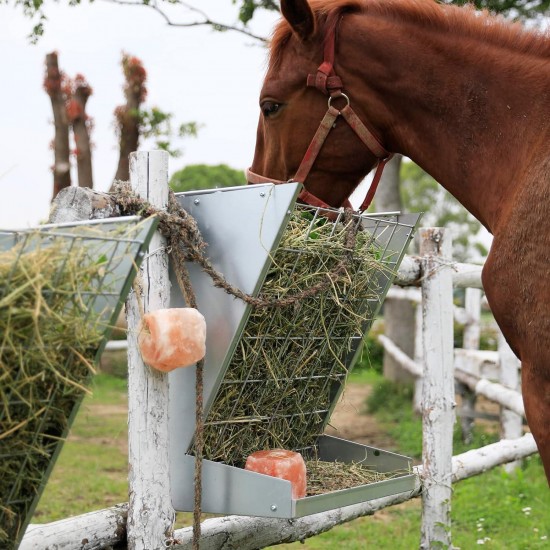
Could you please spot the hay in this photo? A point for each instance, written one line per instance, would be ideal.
(291, 362)
(50, 332)
(326, 477)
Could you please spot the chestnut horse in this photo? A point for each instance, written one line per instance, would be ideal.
(463, 94)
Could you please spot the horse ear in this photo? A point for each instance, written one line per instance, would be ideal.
(300, 17)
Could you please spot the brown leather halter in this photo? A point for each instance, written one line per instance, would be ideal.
(326, 81)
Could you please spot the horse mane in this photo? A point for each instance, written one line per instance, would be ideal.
(467, 21)
(452, 19)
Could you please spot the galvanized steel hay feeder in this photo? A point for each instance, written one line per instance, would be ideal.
(72, 278)
(243, 228)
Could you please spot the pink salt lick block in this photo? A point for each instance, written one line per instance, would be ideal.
(172, 338)
(283, 464)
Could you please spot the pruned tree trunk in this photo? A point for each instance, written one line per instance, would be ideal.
(128, 115)
(53, 84)
(399, 315)
(69, 98)
(80, 124)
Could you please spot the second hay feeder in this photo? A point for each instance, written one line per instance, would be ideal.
(269, 406)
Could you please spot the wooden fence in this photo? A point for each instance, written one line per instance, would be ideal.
(146, 521)
(491, 374)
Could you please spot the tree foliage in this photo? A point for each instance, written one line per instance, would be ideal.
(156, 124)
(37, 10)
(421, 193)
(248, 8)
(518, 9)
(204, 176)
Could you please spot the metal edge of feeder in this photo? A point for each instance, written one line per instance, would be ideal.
(146, 235)
(231, 490)
(334, 449)
(253, 218)
(147, 231)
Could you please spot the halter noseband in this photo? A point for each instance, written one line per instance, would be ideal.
(327, 82)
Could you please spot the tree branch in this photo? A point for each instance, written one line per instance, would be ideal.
(206, 21)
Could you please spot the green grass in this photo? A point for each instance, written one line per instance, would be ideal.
(91, 471)
(495, 510)
(390, 403)
(508, 512)
(505, 512)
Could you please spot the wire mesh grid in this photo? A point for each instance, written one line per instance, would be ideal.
(61, 290)
(291, 363)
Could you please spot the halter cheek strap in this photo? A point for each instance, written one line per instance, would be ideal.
(364, 134)
(326, 81)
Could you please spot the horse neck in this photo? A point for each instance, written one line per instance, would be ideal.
(468, 113)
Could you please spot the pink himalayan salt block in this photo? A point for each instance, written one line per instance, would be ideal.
(172, 338)
(280, 463)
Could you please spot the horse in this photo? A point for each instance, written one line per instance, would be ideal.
(465, 95)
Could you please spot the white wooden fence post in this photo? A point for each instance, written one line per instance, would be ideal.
(471, 339)
(511, 423)
(472, 329)
(418, 357)
(150, 512)
(438, 398)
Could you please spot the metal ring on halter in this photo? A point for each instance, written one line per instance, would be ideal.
(337, 97)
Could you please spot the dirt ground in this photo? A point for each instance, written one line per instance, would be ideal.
(350, 420)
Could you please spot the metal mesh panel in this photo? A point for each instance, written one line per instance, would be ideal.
(279, 388)
(61, 290)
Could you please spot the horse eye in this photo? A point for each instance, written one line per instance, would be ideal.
(270, 108)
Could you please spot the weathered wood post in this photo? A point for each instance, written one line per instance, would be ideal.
(511, 423)
(438, 402)
(470, 340)
(150, 512)
(418, 357)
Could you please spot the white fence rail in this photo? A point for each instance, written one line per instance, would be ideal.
(436, 274)
(107, 527)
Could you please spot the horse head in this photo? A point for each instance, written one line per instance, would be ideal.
(308, 130)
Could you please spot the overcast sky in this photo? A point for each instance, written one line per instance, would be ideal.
(195, 73)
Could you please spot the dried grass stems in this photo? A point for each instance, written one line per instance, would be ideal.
(50, 331)
(326, 477)
(290, 362)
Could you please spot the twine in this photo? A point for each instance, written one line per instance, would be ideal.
(186, 244)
